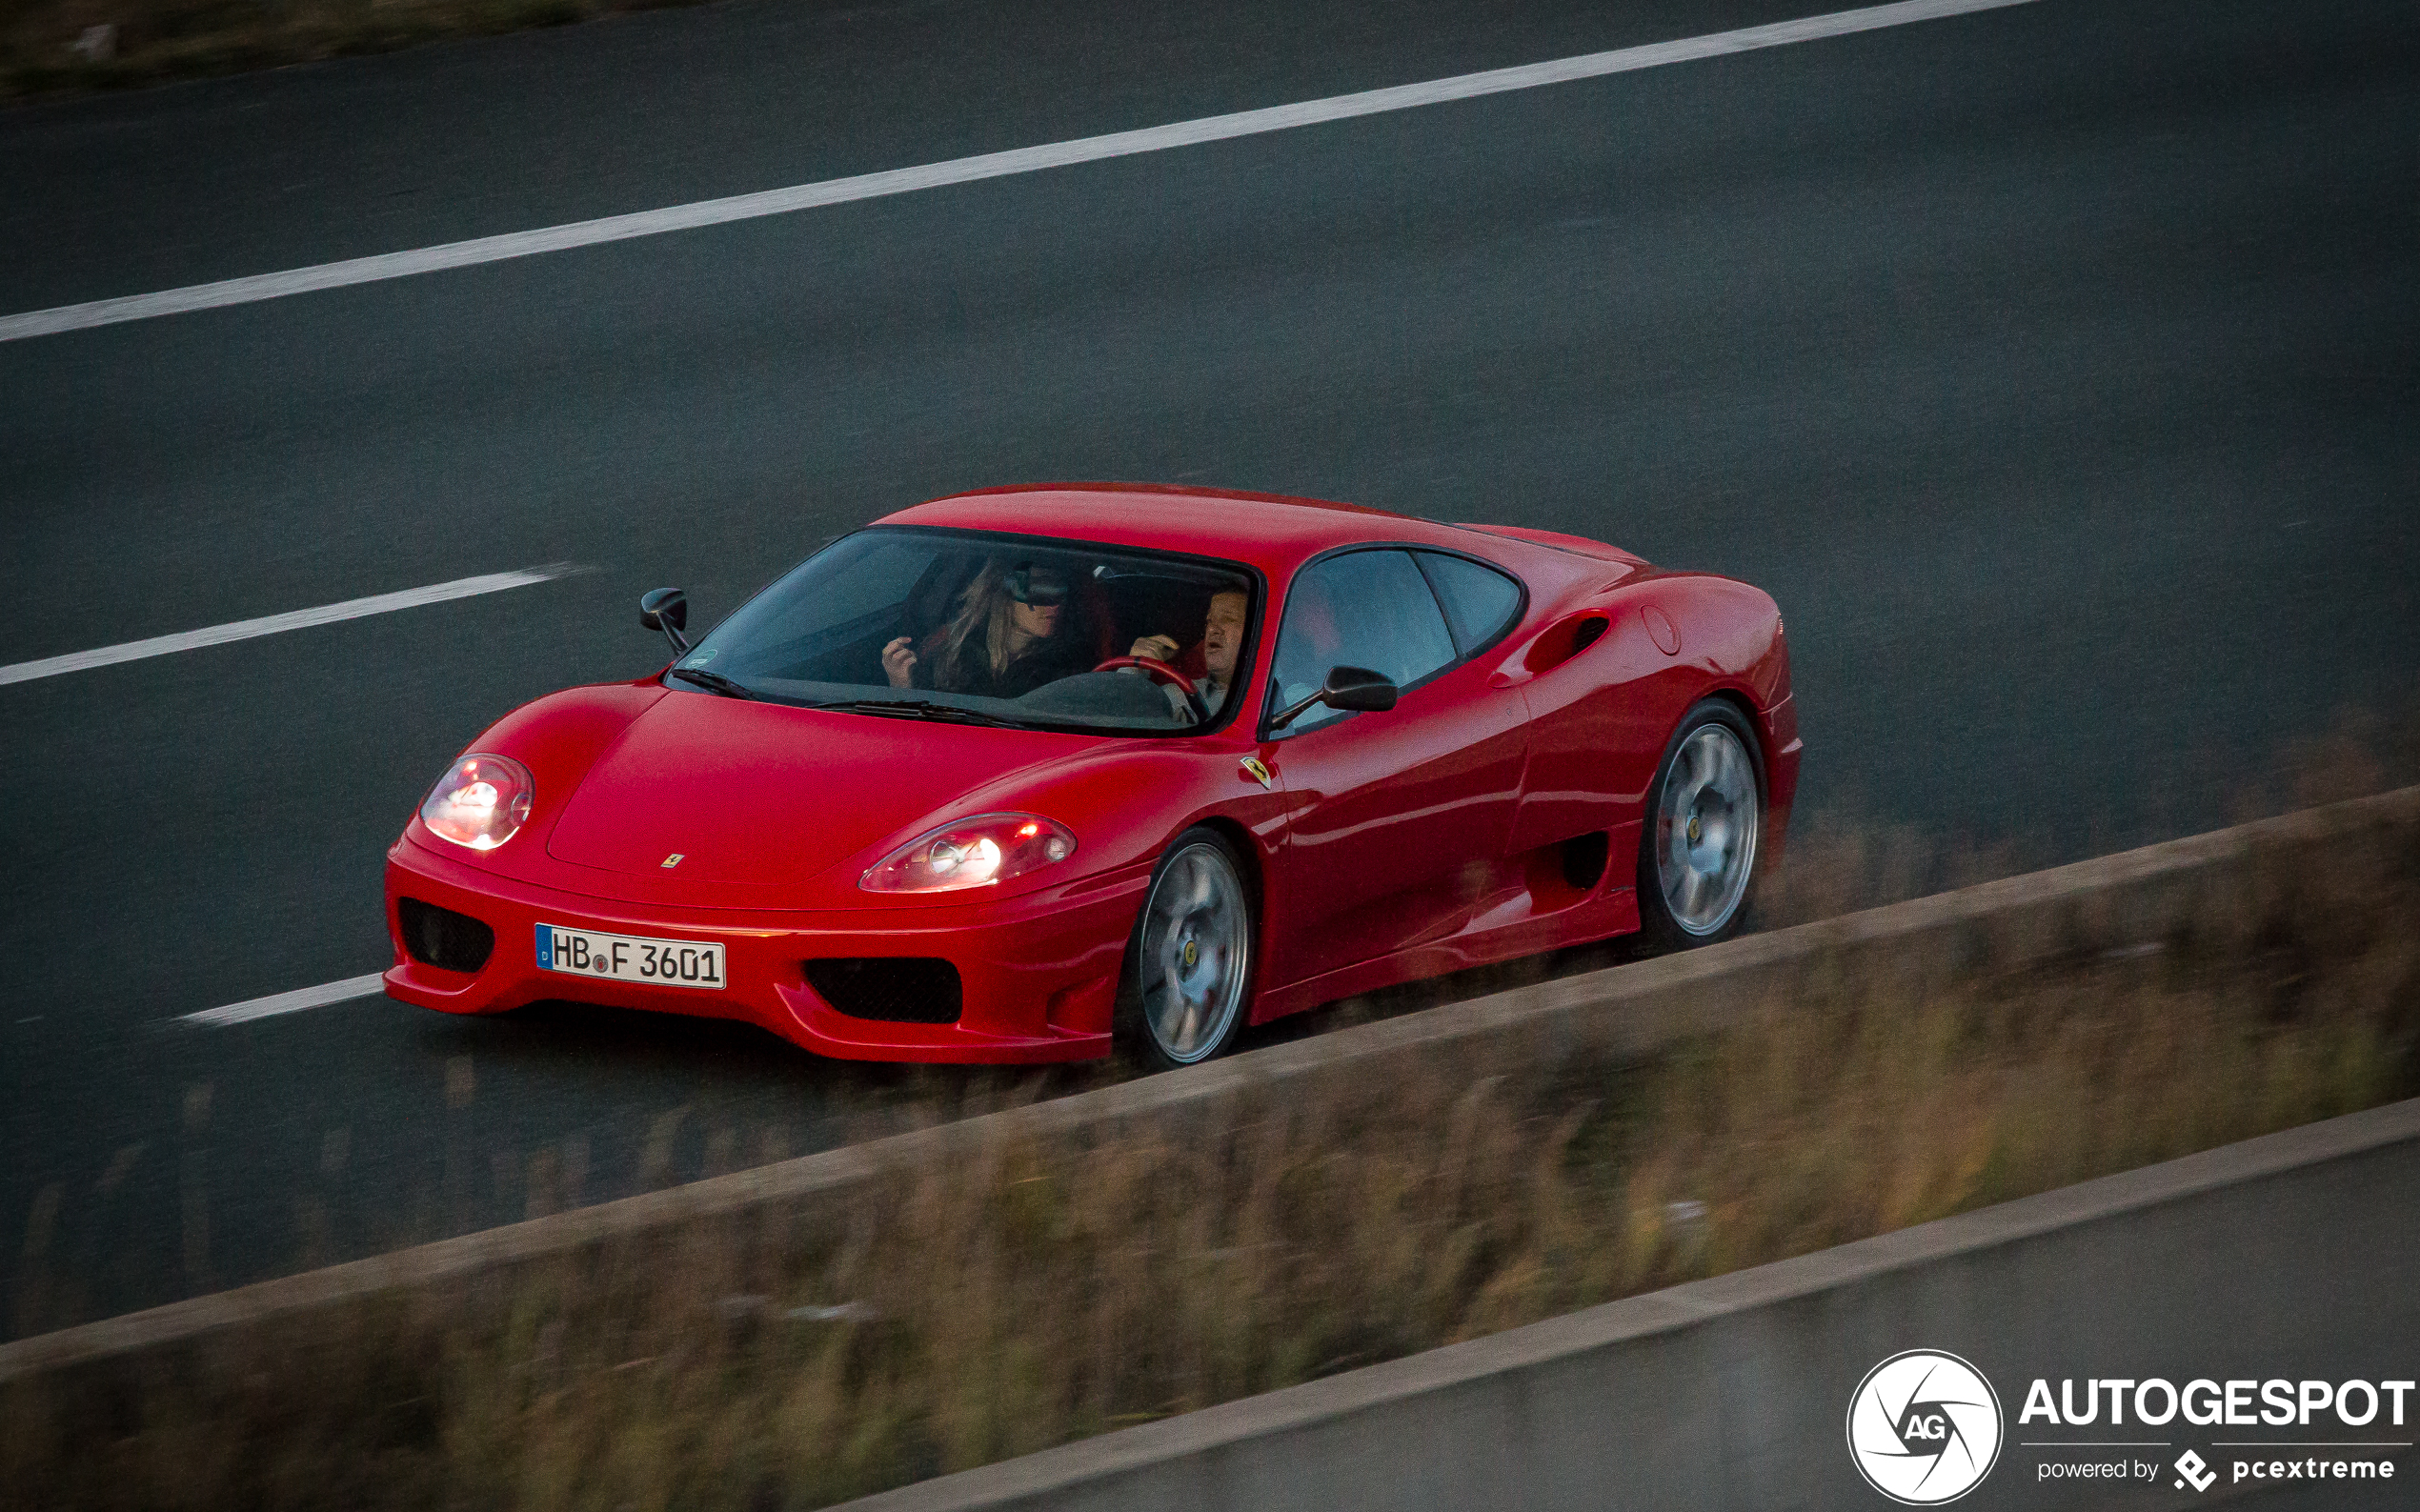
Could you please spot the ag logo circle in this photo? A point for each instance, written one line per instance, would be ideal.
(1924, 1427)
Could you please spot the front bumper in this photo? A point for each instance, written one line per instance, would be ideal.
(1039, 972)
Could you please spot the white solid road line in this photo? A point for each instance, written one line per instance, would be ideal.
(288, 1003)
(967, 169)
(272, 624)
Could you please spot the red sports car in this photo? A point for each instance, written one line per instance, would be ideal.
(1027, 774)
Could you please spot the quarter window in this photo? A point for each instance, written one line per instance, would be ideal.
(1364, 609)
(1479, 601)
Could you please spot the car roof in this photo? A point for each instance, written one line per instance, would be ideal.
(1272, 532)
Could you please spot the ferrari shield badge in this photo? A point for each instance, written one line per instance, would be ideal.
(1254, 767)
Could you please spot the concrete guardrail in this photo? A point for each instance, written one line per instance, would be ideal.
(2284, 1258)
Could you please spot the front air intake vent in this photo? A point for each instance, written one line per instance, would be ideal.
(443, 938)
(892, 989)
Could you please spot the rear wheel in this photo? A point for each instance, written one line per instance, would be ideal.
(1189, 962)
(1697, 849)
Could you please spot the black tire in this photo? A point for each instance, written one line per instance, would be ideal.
(1187, 983)
(1700, 831)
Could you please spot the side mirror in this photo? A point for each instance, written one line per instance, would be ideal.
(1356, 690)
(666, 609)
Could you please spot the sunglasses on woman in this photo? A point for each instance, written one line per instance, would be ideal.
(1041, 588)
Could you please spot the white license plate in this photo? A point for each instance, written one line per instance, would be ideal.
(630, 957)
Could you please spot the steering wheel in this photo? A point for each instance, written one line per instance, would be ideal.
(1152, 666)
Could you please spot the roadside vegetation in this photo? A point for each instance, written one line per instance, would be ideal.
(1039, 1293)
(50, 48)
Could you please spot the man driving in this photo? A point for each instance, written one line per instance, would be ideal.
(1222, 638)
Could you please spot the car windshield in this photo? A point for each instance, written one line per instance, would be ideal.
(972, 627)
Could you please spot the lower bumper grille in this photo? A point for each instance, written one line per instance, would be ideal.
(892, 989)
(443, 938)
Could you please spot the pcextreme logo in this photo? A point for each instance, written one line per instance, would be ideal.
(1924, 1427)
(2195, 1470)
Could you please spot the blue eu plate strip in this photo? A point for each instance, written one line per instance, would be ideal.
(546, 947)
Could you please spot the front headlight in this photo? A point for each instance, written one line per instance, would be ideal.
(971, 852)
(480, 802)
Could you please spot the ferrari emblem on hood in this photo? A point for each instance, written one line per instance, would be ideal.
(673, 860)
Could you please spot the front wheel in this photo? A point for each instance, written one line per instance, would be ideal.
(1189, 961)
(1697, 850)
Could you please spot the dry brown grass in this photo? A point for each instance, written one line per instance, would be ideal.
(51, 47)
(1036, 1293)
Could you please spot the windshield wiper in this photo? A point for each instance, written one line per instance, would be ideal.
(713, 681)
(918, 709)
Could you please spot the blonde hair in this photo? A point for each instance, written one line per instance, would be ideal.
(983, 607)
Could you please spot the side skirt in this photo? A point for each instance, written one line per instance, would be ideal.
(1490, 938)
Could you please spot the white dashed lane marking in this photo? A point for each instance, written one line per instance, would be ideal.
(288, 1003)
(273, 624)
(968, 170)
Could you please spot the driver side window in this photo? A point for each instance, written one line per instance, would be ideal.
(1364, 609)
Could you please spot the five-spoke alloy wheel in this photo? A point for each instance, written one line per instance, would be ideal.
(1696, 851)
(1189, 964)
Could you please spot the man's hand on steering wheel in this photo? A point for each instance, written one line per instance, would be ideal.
(1158, 667)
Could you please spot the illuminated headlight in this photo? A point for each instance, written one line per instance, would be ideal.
(971, 852)
(480, 802)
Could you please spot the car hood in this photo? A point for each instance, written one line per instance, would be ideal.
(719, 793)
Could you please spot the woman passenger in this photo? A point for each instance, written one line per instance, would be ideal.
(1012, 632)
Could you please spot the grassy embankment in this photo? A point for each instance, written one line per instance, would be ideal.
(69, 46)
(1040, 1294)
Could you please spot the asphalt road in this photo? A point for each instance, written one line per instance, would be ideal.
(2055, 368)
